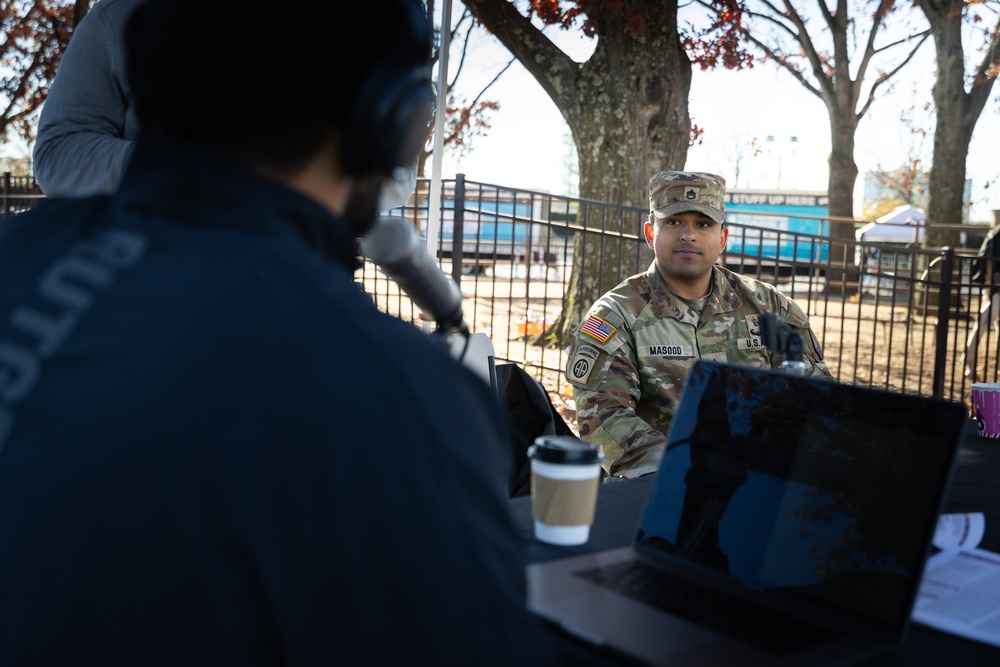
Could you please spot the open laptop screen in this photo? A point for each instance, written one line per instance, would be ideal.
(825, 489)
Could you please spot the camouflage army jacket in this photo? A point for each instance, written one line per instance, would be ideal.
(631, 354)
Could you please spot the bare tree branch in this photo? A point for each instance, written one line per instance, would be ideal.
(986, 74)
(547, 63)
(888, 75)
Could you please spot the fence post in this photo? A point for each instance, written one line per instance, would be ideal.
(6, 194)
(458, 229)
(944, 318)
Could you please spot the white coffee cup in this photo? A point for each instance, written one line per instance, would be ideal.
(565, 475)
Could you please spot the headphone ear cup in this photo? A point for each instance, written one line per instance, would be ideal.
(390, 121)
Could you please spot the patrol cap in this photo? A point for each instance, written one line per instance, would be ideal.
(672, 192)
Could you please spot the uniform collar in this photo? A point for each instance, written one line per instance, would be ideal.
(722, 299)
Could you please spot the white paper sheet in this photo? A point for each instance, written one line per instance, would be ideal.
(960, 589)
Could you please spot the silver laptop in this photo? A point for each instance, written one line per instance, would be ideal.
(788, 524)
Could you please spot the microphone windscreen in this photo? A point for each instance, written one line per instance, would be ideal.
(389, 242)
(394, 246)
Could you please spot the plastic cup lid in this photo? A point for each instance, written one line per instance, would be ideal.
(564, 449)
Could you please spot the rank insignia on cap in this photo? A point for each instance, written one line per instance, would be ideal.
(691, 194)
(597, 328)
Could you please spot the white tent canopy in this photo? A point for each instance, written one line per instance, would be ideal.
(905, 224)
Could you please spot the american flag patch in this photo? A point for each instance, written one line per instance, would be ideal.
(597, 328)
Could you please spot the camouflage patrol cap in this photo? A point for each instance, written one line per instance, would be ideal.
(673, 192)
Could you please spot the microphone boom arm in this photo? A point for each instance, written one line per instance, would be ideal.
(394, 246)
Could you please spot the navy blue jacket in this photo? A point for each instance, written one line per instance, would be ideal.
(215, 450)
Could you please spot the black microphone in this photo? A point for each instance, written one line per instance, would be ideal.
(781, 338)
(393, 244)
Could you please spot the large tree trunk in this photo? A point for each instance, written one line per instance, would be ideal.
(841, 91)
(627, 107)
(957, 113)
(840, 186)
(840, 94)
(946, 189)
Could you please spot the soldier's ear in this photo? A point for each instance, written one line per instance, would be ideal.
(647, 230)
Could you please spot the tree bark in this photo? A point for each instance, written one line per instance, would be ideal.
(840, 186)
(956, 114)
(627, 108)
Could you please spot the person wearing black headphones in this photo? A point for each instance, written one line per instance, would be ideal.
(213, 448)
(88, 124)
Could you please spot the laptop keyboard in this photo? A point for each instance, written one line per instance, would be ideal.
(773, 631)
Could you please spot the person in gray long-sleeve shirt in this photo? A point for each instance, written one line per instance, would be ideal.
(88, 124)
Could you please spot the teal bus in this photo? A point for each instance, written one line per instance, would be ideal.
(773, 226)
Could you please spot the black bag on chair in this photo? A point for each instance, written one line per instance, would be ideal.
(530, 414)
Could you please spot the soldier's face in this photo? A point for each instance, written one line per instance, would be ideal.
(686, 244)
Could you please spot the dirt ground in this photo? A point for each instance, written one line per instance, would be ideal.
(866, 342)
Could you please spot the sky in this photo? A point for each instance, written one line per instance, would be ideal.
(529, 146)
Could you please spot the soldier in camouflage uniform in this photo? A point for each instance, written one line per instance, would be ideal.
(630, 356)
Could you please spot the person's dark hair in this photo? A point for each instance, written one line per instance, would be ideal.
(261, 83)
(284, 150)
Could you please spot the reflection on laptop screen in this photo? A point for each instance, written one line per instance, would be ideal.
(821, 488)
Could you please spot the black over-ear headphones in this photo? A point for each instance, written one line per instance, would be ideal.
(390, 119)
(389, 122)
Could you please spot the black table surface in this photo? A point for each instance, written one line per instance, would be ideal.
(975, 487)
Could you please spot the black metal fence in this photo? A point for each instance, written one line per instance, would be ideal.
(17, 194)
(902, 323)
